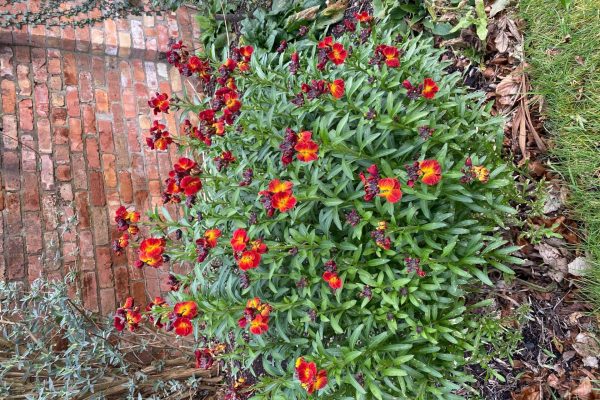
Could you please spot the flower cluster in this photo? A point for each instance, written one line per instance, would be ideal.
(153, 309)
(182, 181)
(427, 89)
(330, 51)
(430, 172)
(308, 376)
(126, 221)
(128, 315)
(390, 55)
(205, 357)
(256, 314)
(388, 188)
(207, 242)
(317, 88)
(188, 65)
(278, 196)
(330, 275)
(299, 144)
(223, 160)
(247, 253)
(180, 319)
(151, 253)
(473, 173)
(159, 138)
(159, 103)
(413, 265)
(379, 236)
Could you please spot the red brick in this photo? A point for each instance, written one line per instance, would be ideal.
(100, 226)
(84, 62)
(118, 124)
(62, 155)
(110, 37)
(107, 301)
(141, 199)
(57, 100)
(63, 173)
(8, 92)
(89, 287)
(82, 38)
(11, 170)
(89, 119)
(152, 282)
(55, 83)
(61, 135)
(72, 101)
(79, 172)
(98, 70)
(49, 212)
(54, 66)
(28, 154)
(52, 250)
(10, 134)
(106, 137)
(121, 282)
(101, 101)
(124, 44)
(92, 153)
(14, 224)
(66, 192)
(58, 116)
(104, 267)
(97, 41)
(41, 100)
(23, 54)
(44, 135)
(151, 166)
(68, 38)
(24, 80)
(97, 197)
(162, 35)
(138, 70)
(31, 196)
(110, 173)
(138, 292)
(15, 260)
(154, 188)
(113, 79)
(125, 187)
(47, 173)
(132, 136)
(75, 134)
(151, 77)
(129, 102)
(83, 212)
(33, 232)
(38, 62)
(26, 114)
(70, 69)
(126, 78)
(34, 268)
(6, 62)
(85, 84)
(86, 245)
(137, 36)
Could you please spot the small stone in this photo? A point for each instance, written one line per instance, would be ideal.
(578, 266)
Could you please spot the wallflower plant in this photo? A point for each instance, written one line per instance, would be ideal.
(338, 213)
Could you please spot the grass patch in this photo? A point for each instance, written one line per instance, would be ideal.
(564, 52)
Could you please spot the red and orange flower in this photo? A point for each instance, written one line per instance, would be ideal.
(430, 172)
(151, 252)
(247, 257)
(337, 88)
(306, 148)
(430, 88)
(211, 236)
(159, 103)
(388, 54)
(159, 139)
(389, 189)
(256, 315)
(127, 315)
(182, 316)
(363, 17)
(308, 376)
(278, 196)
(337, 54)
(239, 240)
(333, 279)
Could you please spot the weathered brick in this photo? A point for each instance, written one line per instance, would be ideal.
(41, 99)
(62, 155)
(23, 54)
(138, 70)
(63, 173)
(70, 69)
(125, 187)
(72, 98)
(6, 62)
(33, 232)
(57, 100)
(121, 282)
(101, 101)
(151, 75)
(58, 116)
(61, 135)
(51, 251)
(79, 171)
(8, 91)
(104, 266)
(38, 63)
(66, 192)
(14, 223)
(86, 244)
(26, 114)
(92, 153)
(75, 133)
(89, 119)
(89, 287)
(34, 268)
(113, 79)
(124, 44)
(138, 292)
(162, 35)
(28, 154)
(11, 170)
(47, 173)
(54, 66)
(24, 80)
(97, 41)
(137, 37)
(15, 260)
(109, 169)
(106, 137)
(86, 92)
(82, 38)
(82, 207)
(55, 83)
(10, 134)
(111, 40)
(98, 70)
(107, 301)
(132, 136)
(97, 197)
(31, 196)
(100, 226)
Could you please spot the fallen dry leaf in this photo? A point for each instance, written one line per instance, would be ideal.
(584, 390)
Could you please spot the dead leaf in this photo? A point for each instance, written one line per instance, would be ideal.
(499, 5)
(584, 390)
(586, 345)
(577, 267)
(580, 60)
(554, 259)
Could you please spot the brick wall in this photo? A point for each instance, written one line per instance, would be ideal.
(74, 118)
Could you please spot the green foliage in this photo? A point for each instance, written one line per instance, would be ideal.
(407, 339)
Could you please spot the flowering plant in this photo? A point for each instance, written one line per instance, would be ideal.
(346, 193)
